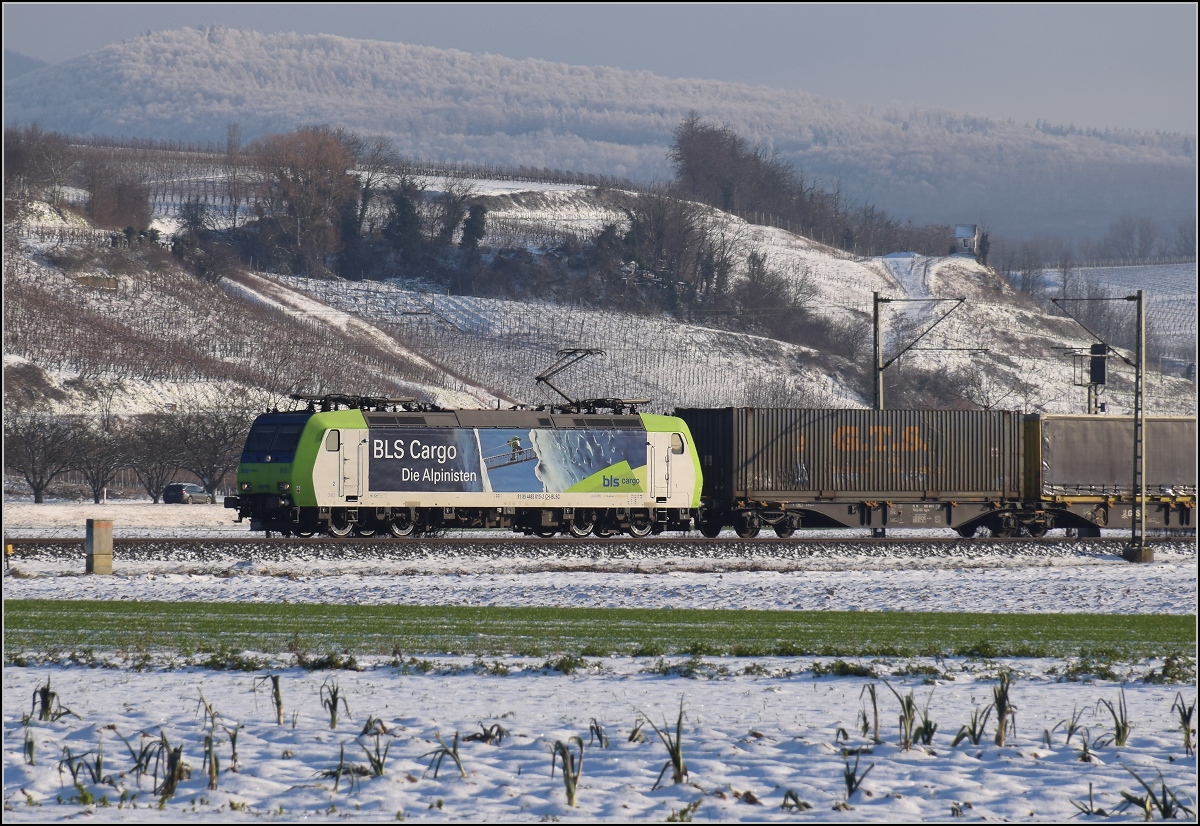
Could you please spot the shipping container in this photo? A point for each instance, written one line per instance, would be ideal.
(1088, 456)
(791, 455)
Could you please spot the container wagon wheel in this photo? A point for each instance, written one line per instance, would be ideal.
(784, 529)
(401, 526)
(1036, 529)
(746, 527)
(1002, 529)
(339, 526)
(967, 531)
(711, 528)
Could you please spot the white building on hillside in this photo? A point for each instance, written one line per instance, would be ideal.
(966, 239)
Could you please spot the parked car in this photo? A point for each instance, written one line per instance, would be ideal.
(179, 493)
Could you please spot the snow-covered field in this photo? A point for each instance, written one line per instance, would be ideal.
(754, 729)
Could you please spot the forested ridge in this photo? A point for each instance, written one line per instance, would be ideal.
(1022, 180)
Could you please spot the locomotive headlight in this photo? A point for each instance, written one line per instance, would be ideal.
(246, 486)
(284, 487)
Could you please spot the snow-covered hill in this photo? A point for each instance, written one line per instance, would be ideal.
(927, 166)
(996, 348)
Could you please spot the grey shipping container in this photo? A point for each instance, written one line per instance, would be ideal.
(787, 454)
(1093, 456)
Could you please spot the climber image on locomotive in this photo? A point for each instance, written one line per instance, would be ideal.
(363, 466)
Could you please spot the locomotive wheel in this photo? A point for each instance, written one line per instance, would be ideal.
(783, 530)
(546, 533)
(602, 533)
(711, 528)
(304, 534)
(339, 526)
(401, 526)
(640, 526)
(359, 530)
(581, 528)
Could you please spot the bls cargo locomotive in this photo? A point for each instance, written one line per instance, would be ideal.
(366, 466)
(392, 466)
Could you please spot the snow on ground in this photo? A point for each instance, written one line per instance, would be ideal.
(1103, 584)
(832, 575)
(747, 739)
(753, 728)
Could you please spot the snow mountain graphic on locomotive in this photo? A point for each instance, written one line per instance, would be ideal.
(355, 465)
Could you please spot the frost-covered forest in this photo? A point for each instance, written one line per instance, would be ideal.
(1022, 180)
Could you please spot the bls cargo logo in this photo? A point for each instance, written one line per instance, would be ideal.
(436, 460)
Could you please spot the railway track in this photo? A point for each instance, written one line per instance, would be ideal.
(225, 549)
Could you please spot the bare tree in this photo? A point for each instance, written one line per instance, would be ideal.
(153, 452)
(449, 207)
(236, 181)
(306, 186)
(984, 388)
(37, 160)
(1182, 242)
(40, 447)
(101, 454)
(375, 160)
(210, 442)
(1131, 239)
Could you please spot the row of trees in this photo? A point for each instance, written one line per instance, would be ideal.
(718, 167)
(41, 447)
(314, 201)
(1129, 240)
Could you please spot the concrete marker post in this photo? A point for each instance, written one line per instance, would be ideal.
(97, 546)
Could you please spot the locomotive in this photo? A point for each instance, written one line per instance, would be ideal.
(352, 465)
(391, 466)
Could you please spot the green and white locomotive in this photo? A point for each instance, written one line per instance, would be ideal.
(372, 466)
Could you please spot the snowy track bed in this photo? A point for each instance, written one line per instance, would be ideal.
(1026, 577)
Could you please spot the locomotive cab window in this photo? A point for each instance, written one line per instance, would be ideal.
(676, 444)
(260, 438)
(333, 441)
(287, 437)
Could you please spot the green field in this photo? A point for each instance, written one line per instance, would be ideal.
(189, 628)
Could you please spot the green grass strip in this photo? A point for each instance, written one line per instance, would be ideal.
(188, 628)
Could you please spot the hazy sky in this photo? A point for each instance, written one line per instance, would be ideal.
(1123, 66)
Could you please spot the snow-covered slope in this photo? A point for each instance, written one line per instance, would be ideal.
(996, 348)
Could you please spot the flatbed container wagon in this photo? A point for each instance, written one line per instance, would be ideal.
(1079, 470)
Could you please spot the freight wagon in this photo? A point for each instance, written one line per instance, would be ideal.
(965, 470)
